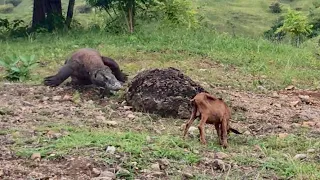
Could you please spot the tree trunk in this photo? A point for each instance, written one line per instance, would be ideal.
(70, 13)
(39, 12)
(54, 10)
(131, 12)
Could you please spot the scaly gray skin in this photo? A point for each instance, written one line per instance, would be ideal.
(105, 79)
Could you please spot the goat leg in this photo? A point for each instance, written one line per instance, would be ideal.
(201, 129)
(192, 118)
(224, 126)
(217, 126)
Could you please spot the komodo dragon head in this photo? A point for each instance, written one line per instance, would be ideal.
(105, 79)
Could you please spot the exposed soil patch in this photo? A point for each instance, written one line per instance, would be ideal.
(25, 107)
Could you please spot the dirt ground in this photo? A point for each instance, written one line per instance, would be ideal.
(25, 107)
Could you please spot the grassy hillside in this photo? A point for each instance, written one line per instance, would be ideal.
(245, 17)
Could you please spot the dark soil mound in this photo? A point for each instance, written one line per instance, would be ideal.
(166, 92)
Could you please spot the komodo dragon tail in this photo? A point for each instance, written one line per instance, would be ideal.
(55, 80)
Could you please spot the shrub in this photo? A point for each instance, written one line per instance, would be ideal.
(15, 3)
(18, 67)
(6, 9)
(14, 28)
(275, 7)
(84, 8)
(271, 33)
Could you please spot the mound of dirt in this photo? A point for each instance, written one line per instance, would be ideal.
(166, 92)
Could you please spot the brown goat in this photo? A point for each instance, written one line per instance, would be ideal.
(211, 110)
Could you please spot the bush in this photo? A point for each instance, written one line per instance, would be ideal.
(83, 8)
(18, 67)
(271, 33)
(6, 9)
(15, 3)
(275, 7)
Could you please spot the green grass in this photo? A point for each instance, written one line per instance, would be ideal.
(274, 157)
(258, 61)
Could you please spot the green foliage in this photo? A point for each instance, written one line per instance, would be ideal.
(6, 9)
(275, 7)
(178, 12)
(12, 29)
(296, 24)
(271, 33)
(15, 3)
(18, 67)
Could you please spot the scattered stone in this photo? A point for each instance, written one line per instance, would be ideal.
(26, 103)
(111, 123)
(278, 105)
(164, 163)
(107, 174)
(111, 149)
(247, 133)
(100, 118)
(219, 165)
(123, 172)
(1, 173)
(304, 98)
(56, 98)
(195, 151)
(300, 156)
(296, 125)
(282, 135)
(148, 139)
(290, 88)
(187, 175)
(158, 174)
(127, 107)
(67, 98)
(311, 150)
(275, 95)
(96, 172)
(36, 156)
(155, 167)
(294, 103)
(221, 155)
(308, 124)
(131, 116)
(192, 130)
(45, 98)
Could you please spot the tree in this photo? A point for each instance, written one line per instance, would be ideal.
(127, 7)
(70, 13)
(296, 25)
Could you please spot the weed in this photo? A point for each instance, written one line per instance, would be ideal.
(18, 67)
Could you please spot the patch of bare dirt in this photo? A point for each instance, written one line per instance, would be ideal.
(24, 107)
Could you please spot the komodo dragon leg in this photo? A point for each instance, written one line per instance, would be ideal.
(64, 72)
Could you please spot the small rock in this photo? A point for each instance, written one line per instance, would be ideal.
(187, 175)
(131, 116)
(45, 98)
(127, 107)
(107, 174)
(1, 173)
(304, 98)
(155, 167)
(300, 156)
(195, 151)
(311, 150)
(111, 123)
(111, 149)
(102, 178)
(95, 171)
(128, 112)
(247, 133)
(318, 125)
(294, 103)
(56, 98)
(123, 172)
(221, 155)
(296, 125)
(308, 124)
(192, 130)
(282, 135)
(275, 95)
(157, 174)
(219, 164)
(67, 98)
(164, 163)
(148, 139)
(101, 118)
(290, 88)
(278, 105)
(26, 103)
(36, 156)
